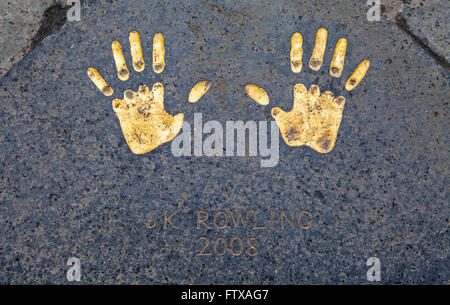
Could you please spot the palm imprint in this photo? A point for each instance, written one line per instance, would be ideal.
(314, 119)
(144, 122)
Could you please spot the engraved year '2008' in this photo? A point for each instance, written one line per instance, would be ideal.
(235, 245)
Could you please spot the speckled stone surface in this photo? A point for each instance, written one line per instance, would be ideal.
(429, 21)
(69, 185)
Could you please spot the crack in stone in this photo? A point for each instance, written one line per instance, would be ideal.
(53, 19)
(402, 24)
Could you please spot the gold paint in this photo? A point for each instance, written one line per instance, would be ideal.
(315, 63)
(158, 53)
(98, 80)
(296, 52)
(122, 71)
(136, 52)
(337, 63)
(258, 94)
(198, 91)
(144, 122)
(314, 120)
(358, 75)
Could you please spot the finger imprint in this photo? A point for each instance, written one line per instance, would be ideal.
(158, 53)
(314, 90)
(198, 91)
(136, 52)
(358, 75)
(340, 102)
(276, 111)
(122, 71)
(337, 63)
(296, 52)
(257, 94)
(119, 105)
(315, 63)
(158, 94)
(98, 80)
(300, 94)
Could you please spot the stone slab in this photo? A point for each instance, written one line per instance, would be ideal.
(69, 185)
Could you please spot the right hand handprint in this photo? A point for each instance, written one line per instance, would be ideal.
(315, 118)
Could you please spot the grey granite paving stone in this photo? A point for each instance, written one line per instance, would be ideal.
(428, 20)
(20, 25)
(69, 185)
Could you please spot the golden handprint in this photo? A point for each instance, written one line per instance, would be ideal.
(315, 118)
(144, 122)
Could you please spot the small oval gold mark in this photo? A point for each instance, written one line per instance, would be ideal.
(198, 91)
(358, 75)
(257, 94)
